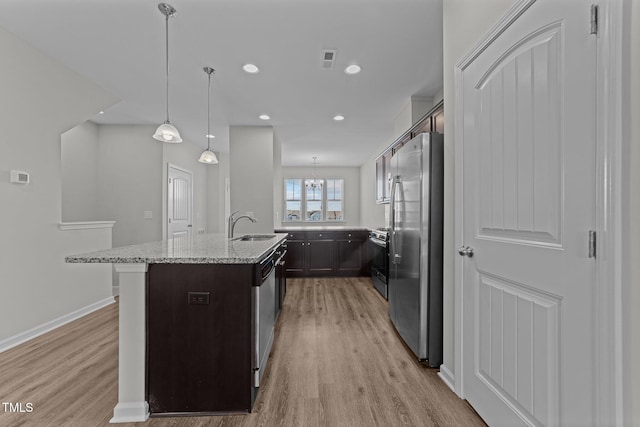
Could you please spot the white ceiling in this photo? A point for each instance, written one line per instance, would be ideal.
(120, 45)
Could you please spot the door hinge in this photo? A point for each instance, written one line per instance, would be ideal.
(592, 244)
(594, 19)
(169, 180)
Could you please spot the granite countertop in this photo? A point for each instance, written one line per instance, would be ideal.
(199, 249)
(321, 228)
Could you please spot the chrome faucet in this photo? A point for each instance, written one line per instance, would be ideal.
(233, 221)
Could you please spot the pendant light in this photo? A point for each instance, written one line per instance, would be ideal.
(208, 156)
(167, 132)
(314, 183)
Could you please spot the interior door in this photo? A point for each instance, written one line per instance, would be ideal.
(529, 203)
(180, 203)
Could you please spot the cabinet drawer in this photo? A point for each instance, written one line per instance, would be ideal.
(352, 235)
(296, 235)
(321, 235)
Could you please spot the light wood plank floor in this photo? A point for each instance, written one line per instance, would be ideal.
(336, 361)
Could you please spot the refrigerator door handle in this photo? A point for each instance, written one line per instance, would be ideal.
(394, 183)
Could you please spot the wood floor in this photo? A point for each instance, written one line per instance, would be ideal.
(336, 361)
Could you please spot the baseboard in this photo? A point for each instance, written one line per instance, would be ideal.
(25, 336)
(130, 412)
(447, 377)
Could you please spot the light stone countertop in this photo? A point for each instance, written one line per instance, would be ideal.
(321, 228)
(199, 249)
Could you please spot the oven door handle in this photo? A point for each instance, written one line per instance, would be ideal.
(378, 243)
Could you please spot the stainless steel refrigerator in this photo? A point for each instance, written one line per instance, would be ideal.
(415, 276)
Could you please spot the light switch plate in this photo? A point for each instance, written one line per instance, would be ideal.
(148, 215)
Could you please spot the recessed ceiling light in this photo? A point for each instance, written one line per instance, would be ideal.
(101, 112)
(338, 118)
(264, 117)
(353, 69)
(210, 136)
(250, 68)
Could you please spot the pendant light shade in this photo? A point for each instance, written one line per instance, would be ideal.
(167, 132)
(208, 156)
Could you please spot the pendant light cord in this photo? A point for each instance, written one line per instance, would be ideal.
(167, 56)
(209, 114)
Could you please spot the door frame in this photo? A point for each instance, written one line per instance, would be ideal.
(166, 192)
(610, 201)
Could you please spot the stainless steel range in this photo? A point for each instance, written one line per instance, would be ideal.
(379, 251)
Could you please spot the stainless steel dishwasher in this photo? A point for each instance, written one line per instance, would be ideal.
(264, 314)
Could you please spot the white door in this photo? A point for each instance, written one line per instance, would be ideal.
(528, 144)
(180, 204)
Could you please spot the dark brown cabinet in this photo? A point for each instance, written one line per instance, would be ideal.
(383, 168)
(350, 257)
(333, 253)
(199, 338)
(320, 257)
(205, 323)
(295, 257)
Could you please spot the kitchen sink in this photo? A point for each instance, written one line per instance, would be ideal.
(254, 237)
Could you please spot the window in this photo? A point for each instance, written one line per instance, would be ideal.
(293, 199)
(334, 200)
(314, 199)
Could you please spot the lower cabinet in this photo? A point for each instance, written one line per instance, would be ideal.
(199, 338)
(320, 257)
(210, 328)
(350, 257)
(334, 253)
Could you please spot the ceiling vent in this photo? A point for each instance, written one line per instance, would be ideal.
(328, 58)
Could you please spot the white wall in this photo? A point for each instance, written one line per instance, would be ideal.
(415, 109)
(130, 182)
(80, 173)
(251, 170)
(372, 215)
(278, 187)
(351, 176)
(217, 210)
(41, 99)
(465, 23)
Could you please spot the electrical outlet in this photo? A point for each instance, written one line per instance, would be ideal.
(199, 298)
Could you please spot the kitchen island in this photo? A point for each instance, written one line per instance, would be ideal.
(189, 297)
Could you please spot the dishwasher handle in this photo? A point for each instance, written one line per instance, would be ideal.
(267, 269)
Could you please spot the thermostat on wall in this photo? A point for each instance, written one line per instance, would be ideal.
(19, 177)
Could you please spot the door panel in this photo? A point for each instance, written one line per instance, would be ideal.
(529, 203)
(520, 142)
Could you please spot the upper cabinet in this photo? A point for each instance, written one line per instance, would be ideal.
(433, 121)
(383, 176)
